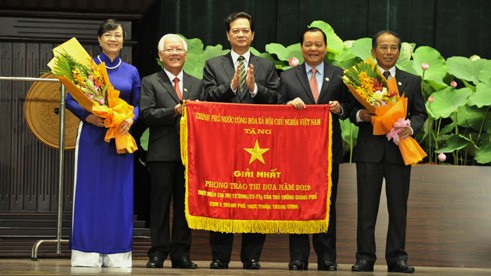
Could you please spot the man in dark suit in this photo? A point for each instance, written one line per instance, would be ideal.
(317, 82)
(161, 101)
(377, 158)
(222, 83)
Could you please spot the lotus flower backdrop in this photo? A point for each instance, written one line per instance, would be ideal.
(457, 90)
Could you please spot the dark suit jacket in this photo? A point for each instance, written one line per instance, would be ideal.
(295, 83)
(218, 74)
(373, 148)
(157, 101)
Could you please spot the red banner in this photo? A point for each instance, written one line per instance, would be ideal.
(257, 168)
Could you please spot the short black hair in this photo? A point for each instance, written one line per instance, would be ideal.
(236, 15)
(109, 25)
(377, 35)
(313, 29)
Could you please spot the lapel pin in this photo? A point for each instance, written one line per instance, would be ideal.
(399, 83)
(327, 79)
(185, 90)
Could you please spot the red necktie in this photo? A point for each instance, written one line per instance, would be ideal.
(176, 87)
(313, 85)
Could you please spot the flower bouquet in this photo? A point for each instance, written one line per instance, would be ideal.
(89, 85)
(381, 97)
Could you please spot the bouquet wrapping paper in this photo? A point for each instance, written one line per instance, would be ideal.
(89, 85)
(382, 98)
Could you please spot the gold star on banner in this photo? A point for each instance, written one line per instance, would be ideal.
(256, 153)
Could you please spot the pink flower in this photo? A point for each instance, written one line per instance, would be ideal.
(101, 101)
(431, 99)
(442, 157)
(293, 61)
(453, 84)
(425, 66)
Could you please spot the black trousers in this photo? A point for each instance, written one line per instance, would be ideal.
(221, 246)
(168, 186)
(369, 185)
(324, 243)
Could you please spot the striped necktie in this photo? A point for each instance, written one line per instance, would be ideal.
(242, 69)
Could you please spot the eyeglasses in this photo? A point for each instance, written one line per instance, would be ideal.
(110, 35)
(177, 50)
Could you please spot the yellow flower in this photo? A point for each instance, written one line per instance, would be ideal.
(77, 76)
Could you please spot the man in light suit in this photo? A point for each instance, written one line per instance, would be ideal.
(161, 101)
(377, 158)
(295, 90)
(222, 83)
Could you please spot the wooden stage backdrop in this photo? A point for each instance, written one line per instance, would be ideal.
(448, 221)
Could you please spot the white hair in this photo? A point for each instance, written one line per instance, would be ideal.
(169, 36)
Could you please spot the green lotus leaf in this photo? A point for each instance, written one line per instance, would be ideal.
(405, 62)
(483, 154)
(464, 68)
(406, 65)
(437, 70)
(362, 48)
(349, 133)
(447, 101)
(447, 129)
(285, 53)
(144, 139)
(426, 130)
(429, 111)
(482, 96)
(195, 45)
(454, 142)
(407, 50)
(345, 59)
(196, 59)
(193, 57)
(485, 73)
(334, 43)
(214, 51)
(436, 85)
(265, 55)
(427, 89)
(472, 117)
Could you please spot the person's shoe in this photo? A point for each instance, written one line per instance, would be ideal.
(184, 262)
(298, 265)
(218, 264)
(155, 262)
(251, 264)
(400, 266)
(362, 265)
(327, 265)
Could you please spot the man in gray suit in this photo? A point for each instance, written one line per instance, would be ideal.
(223, 83)
(317, 82)
(161, 101)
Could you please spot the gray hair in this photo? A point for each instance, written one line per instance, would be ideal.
(168, 36)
